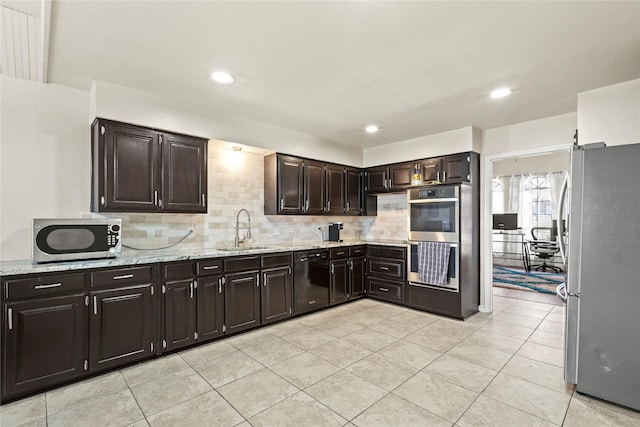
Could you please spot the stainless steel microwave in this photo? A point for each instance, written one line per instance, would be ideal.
(74, 239)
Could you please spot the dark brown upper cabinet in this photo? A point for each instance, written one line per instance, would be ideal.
(353, 191)
(136, 169)
(335, 189)
(399, 176)
(314, 187)
(294, 185)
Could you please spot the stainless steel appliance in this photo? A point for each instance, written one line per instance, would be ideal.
(602, 289)
(310, 281)
(434, 213)
(413, 275)
(74, 239)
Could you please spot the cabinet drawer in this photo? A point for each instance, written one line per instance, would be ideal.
(178, 271)
(383, 289)
(434, 300)
(43, 285)
(209, 266)
(276, 260)
(338, 253)
(121, 276)
(387, 252)
(357, 251)
(241, 264)
(391, 268)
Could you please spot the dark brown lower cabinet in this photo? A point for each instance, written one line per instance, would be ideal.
(356, 277)
(210, 296)
(276, 294)
(385, 289)
(339, 281)
(180, 314)
(45, 343)
(122, 326)
(242, 301)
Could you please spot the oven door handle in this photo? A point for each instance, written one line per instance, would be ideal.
(450, 199)
(414, 242)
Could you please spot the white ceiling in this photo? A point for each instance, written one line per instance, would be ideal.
(329, 68)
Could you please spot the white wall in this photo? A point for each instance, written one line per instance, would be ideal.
(455, 141)
(543, 163)
(134, 106)
(610, 114)
(45, 159)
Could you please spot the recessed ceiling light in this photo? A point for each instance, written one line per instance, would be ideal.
(221, 77)
(371, 129)
(500, 93)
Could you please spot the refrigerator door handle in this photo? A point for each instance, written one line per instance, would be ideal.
(561, 229)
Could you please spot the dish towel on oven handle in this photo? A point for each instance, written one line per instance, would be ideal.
(433, 262)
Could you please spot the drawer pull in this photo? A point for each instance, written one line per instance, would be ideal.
(384, 289)
(339, 253)
(52, 285)
(384, 268)
(210, 267)
(124, 276)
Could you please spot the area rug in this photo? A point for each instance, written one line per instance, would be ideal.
(535, 281)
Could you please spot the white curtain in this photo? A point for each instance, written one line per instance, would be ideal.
(555, 185)
(515, 202)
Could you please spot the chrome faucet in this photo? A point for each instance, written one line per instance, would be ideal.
(246, 236)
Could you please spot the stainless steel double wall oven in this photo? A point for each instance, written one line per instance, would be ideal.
(434, 216)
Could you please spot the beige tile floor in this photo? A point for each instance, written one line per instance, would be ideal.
(365, 363)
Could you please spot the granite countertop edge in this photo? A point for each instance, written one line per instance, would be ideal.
(27, 266)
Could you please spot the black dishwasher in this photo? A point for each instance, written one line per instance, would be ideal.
(310, 281)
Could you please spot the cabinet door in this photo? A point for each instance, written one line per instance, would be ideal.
(400, 176)
(456, 168)
(335, 190)
(353, 191)
(133, 170)
(242, 301)
(180, 314)
(290, 185)
(184, 161)
(121, 326)
(45, 343)
(431, 170)
(356, 277)
(210, 298)
(315, 191)
(276, 294)
(377, 179)
(339, 283)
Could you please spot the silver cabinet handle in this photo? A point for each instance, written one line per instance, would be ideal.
(347, 206)
(10, 318)
(258, 280)
(195, 284)
(438, 176)
(444, 176)
(332, 270)
(52, 285)
(124, 276)
(203, 203)
(390, 183)
(191, 290)
(264, 280)
(282, 204)
(219, 286)
(95, 305)
(102, 200)
(155, 197)
(384, 268)
(384, 289)
(210, 267)
(339, 253)
(306, 205)
(159, 202)
(328, 205)
(351, 265)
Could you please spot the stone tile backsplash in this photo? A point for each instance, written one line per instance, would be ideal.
(236, 181)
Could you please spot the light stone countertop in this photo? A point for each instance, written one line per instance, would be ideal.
(130, 257)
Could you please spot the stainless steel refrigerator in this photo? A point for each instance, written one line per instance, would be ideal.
(602, 292)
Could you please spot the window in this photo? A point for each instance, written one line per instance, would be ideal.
(537, 205)
(497, 197)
